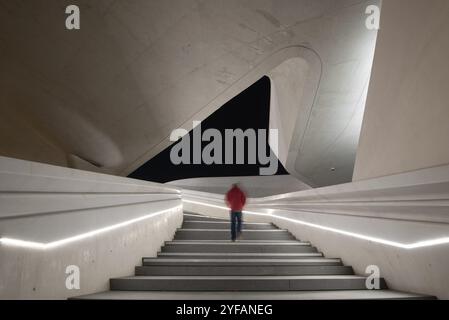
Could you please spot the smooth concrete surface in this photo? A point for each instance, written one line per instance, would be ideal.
(30, 274)
(242, 269)
(419, 196)
(397, 210)
(225, 225)
(260, 186)
(71, 217)
(236, 255)
(292, 295)
(106, 97)
(405, 127)
(255, 260)
(239, 249)
(242, 241)
(294, 84)
(45, 203)
(219, 234)
(241, 283)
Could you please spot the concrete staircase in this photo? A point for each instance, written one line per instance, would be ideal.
(267, 263)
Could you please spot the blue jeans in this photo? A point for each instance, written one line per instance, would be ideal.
(236, 224)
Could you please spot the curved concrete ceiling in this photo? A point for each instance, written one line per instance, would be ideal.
(106, 97)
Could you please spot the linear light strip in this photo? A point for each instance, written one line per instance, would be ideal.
(408, 246)
(50, 245)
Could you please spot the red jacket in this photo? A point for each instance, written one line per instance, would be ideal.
(235, 199)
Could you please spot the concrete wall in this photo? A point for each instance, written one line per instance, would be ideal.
(294, 85)
(53, 217)
(259, 186)
(406, 119)
(398, 223)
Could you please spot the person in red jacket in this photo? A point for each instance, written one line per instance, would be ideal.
(235, 200)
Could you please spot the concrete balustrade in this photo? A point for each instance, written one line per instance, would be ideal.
(398, 223)
(53, 217)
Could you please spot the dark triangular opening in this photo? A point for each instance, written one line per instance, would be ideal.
(249, 110)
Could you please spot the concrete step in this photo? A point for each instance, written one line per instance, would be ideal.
(255, 295)
(240, 242)
(231, 256)
(194, 217)
(194, 224)
(240, 283)
(219, 234)
(214, 269)
(312, 261)
(239, 248)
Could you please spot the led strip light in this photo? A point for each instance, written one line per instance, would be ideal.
(54, 244)
(408, 246)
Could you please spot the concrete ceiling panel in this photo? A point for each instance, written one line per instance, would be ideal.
(138, 69)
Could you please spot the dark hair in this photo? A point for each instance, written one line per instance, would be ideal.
(236, 185)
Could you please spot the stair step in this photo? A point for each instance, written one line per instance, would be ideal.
(224, 255)
(200, 269)
(240, 242)
(241, 283)
(225, 225)
(255, 295)
(240, 262)
(219, 234)
(221, 221)
(270, 231)
(190, 217)
(239, 248)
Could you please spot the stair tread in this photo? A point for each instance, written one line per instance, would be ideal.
(227, 231)
(204, 217)
(242, 242)
(262, 254)
(242, 278)
(268, 261)
(227, 222)
(254, 295)
(233, 256)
